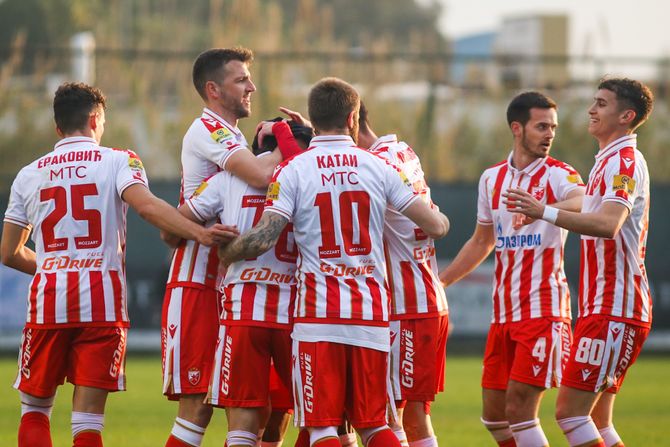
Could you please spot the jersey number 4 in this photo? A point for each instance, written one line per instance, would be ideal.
(59, 195)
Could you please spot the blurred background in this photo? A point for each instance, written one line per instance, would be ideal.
(437, 73)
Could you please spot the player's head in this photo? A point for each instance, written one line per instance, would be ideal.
(532, 118)
(333, 107)
(302, 134)
(79, 108)
(221, 77)
(366, 136)
(619, 104)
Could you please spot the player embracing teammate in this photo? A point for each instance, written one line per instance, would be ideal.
(336, 195)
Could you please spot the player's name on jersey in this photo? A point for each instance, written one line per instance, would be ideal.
(69, 157)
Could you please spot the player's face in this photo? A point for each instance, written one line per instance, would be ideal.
(236, 89)
(538, 133)
(604, 114)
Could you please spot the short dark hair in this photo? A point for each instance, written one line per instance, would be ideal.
(330, 102)
(209, 64)
(73, 104)
(519, 108)
(631, 94)
(302, 134)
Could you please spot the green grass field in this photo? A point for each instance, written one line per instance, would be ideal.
(142, 417)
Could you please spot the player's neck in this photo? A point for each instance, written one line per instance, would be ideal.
(78, 133)
(228, 116)
(521, 160)
(606, 140)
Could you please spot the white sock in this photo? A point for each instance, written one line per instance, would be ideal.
(499, 430)
(87, 421)
(30, 404)
(610, 436)
(579, 430)
(188, 432)
(401, 435)
(241, 437)
(529, 434)
(425, 442)
(348, 440)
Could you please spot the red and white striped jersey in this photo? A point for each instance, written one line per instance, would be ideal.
(71, 199)
(337, 194)
(261, 289)
(207, 146)
(529, 278)
(411, 266)
(614, 280)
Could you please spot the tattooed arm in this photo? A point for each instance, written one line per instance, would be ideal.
(256, 241)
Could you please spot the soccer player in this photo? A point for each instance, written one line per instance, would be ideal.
(336, 194)
(190, 314)
(257, 296)
(529, 337)
(419, 319)
(74, 200)
(614, 297)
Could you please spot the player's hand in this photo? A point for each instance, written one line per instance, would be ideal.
(521, 201)
(296, 117)
(519, 220)
(218, 234)
(264, 129)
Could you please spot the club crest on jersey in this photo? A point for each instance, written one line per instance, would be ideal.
(193, 376)
(623, 183)
(273, 191)
(537, 192)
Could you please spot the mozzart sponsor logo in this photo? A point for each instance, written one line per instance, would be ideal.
(517, 240)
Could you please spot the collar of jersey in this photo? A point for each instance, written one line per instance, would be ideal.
(208, 113)
(383, 141)
(528, 170)
(618, 144)
(69, 142)
(332, 140)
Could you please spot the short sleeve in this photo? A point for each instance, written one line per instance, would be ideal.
(399, 191)
(16, 209)
(565, 180)
(484, 215)
(282, 191)
(130, 172)
(220, 144)
(206, 202)
(622, 180)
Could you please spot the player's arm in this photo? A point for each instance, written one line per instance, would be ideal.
(160, 214)
(256, 241)
(605, 222)
(430, 220)
(171, 239)
(473, 252)
(13, 250)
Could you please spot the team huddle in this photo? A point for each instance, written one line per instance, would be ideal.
(304, 278)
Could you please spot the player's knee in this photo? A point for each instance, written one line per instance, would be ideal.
(195, 411)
